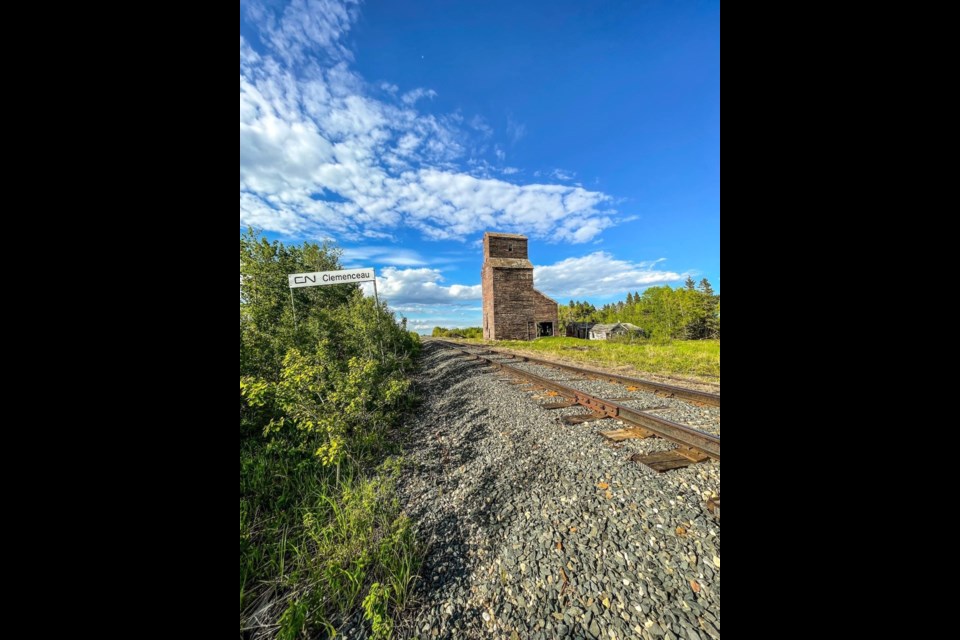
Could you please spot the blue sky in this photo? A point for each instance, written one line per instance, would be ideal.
(404, 130)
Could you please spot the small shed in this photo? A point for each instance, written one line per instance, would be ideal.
(579, 330)
(607, 331)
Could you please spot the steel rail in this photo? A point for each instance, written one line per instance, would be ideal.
(682, 435)
(702, 397)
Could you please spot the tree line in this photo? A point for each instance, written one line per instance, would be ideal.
(469, 332)
(691, 312)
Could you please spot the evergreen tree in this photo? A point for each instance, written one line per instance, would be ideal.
(691, 285)
(710, 308)
(705, 288)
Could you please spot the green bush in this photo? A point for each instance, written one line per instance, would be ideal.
(322, 536)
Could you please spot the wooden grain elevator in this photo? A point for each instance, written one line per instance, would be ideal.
(512, 308)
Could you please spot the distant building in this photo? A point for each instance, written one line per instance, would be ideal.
(607, 331)
(512, 308)
(579, 329)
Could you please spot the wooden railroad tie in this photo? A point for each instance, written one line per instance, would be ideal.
(679, 458)
(631, 433)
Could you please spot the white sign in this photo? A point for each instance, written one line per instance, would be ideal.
(323, 278)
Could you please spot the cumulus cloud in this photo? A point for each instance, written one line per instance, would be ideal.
(322, 155)
(446, 205)
(600, 274)
(258, 213)
(422, 287)
(306, 27)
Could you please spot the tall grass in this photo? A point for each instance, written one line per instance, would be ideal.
(679, 357)
(314, 549)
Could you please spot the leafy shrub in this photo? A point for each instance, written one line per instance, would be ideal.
(322, 536)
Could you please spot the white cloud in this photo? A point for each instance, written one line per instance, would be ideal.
(445, 205)
(600, 274)
(478, 123)
(421, 287)
(320, 156)
(560, 174)
(501, 155)
(257, 213)
(307, 27)
(389, 88)
(247, 55)
(411, 97)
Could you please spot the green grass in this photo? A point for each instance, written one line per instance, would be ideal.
(315, 548)
(699, 358)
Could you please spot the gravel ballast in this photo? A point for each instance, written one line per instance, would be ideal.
(538, 530)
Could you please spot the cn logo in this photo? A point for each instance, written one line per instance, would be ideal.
(304, 279)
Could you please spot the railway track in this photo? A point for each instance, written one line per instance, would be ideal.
(693, 445)
(671, 391)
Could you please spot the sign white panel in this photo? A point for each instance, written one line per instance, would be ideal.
(323, 278)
